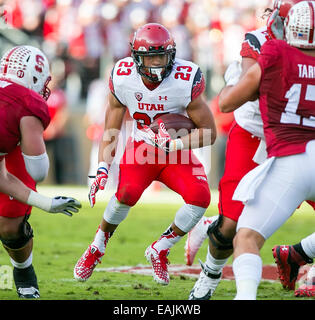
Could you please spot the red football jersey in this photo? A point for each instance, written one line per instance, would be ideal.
(287, 98)
(17, 102)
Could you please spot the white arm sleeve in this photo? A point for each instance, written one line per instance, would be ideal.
(37, 166)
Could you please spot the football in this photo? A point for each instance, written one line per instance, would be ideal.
(177, 125)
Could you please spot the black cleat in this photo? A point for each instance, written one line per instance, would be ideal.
(26, 283)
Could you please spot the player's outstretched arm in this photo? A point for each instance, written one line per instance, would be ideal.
(246, 89)
(14, 187)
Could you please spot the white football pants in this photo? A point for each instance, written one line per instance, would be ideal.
(289, 181)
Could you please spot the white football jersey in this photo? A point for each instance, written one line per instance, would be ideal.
(172, 96)
(248, 115)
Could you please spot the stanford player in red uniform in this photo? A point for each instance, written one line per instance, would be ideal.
(245, 149)
(284, 80)
(24, 75)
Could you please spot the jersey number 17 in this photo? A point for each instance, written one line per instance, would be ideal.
(290, 115)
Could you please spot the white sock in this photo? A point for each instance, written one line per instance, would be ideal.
(308, 245)
(167, 240)
(247, 270)
(100, 240)
(214, 265)
(23, 265)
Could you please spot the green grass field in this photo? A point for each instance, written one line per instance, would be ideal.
(59, 241)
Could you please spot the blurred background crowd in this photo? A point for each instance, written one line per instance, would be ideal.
(84, 38)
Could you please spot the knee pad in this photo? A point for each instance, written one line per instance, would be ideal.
(25, 234)
(220, 241)
(198, 195)
(115, 211)
(188, 216)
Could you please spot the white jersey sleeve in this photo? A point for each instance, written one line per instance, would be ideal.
(248, 115)
(173, 95)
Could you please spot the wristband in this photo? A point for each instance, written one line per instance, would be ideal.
(103, 165)
(38, 200)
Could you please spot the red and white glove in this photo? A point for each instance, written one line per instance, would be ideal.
(162, 139)
(99, 182)
(275, 25)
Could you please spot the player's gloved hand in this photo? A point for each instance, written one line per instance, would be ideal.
(64, 205)
(163, 139)
(275, 25)
(99, 182)
(233, 73)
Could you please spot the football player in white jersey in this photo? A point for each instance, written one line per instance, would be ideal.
(244, 151)
(149, 84)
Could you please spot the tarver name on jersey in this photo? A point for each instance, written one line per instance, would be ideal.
(306, 71)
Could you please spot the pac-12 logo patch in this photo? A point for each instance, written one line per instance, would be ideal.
(138, 96)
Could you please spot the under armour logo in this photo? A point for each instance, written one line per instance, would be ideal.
(163, 98)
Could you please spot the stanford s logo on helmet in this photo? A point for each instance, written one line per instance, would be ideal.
(299, 25)
(153, 39)
(27, 66)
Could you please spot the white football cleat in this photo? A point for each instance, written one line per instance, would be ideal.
(196, 236)
(205, 285)
(159, 263)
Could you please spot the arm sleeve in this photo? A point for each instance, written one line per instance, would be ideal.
(36, 106)
(198, 86)
(37, 166)
(250, 47)
(112, 87)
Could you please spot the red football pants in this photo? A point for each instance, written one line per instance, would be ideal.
(181, 171)
(10, 207)
(240, 149)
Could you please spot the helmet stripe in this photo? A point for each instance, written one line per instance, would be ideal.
(8, 59)
(311, 37)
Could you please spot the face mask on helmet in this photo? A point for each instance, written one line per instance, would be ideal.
(154, 42)
(299, 25)
(27, 66)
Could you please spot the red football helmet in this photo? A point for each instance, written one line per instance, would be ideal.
(153, 39)
(284, 6)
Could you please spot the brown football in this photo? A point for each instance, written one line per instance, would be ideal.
(176, 124)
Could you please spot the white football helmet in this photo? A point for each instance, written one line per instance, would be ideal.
(27, 66)
(299, 25)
